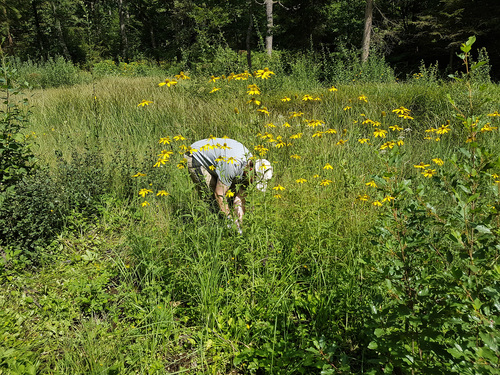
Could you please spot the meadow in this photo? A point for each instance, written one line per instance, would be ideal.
(374, 249)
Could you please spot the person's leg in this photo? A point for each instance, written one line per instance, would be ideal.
(204, 181)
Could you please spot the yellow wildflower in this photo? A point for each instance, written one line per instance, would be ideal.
(144, 192)
(443, 129)
(325, 182)
(371, 184)
(314, 123)
(429, 172)
(214, 90)
(438, 161)
(162, 193)
(181, 75)
(296, 114)
(488, 128)
(389, 144)
(263, 110)
(318, 134)
(422, 165)
(301, 180)
(401, 111)
(332, 89)
(380, 133)
(327, 166)
(296, 136)
(263, 73)
(253, 90)
(168, 83)
(144, 103)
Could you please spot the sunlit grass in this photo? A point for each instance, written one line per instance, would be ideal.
(195, 294)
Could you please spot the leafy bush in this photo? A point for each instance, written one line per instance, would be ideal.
(345, 66)
(30, 216)
(54, 72)
(140, 68)
(439, 302)
(16, 158)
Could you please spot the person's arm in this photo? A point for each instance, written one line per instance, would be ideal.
(220, 195)
(239, 204)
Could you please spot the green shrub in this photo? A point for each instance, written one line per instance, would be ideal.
(345, 66)
(54, 72)
(439, 293)
(142, 68)
(16, 157)
(31, 215)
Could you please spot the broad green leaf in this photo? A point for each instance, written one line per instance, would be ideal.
(477, 65)
(373, 345)
(379, 332)
(483, 229)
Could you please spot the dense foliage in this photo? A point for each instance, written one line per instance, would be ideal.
(374, 250)
(191, 31)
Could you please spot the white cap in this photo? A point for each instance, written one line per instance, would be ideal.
(264, 172)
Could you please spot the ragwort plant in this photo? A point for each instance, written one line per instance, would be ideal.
(439, 300)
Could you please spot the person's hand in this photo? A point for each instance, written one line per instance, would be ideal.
(235, 222)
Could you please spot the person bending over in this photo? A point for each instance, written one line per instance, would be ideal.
(223, 164)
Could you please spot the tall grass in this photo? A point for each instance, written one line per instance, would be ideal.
(171, 288)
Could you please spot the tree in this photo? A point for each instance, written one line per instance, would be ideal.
(365, 44)
(59, 30)
(123, 30)
(269, 26)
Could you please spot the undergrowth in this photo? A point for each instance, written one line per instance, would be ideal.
(374, 249)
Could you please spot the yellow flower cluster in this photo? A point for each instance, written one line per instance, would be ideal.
(146, 191)
(385, 131)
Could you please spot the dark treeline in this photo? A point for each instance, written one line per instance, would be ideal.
(404, 31)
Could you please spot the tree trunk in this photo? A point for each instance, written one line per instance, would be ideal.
(59, 32)
(365, 44)
(123, 31)
(154, 47)
(10, 42)
(269, 31)
(39, 36)
(249, 35)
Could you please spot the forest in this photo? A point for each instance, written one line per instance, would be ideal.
(405, 32)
